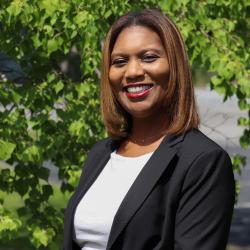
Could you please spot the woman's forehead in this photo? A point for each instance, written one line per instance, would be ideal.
(137, 38)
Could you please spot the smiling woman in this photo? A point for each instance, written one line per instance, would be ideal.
(139, 72)
(156, 182)
(147, 49)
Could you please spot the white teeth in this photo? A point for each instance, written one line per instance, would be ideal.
(138, 89)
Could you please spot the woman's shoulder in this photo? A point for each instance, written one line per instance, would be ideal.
(103, 142)
(200, 156)
(101, 145)
(108, 144)
(197, 143)
(194, 138)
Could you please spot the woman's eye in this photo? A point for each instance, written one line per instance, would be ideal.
(119, 62)
(149, 58)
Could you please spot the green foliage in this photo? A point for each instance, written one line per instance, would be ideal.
(41, 237)
(51, 118)
(8, 224)
(6, 150)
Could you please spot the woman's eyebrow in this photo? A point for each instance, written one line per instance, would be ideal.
(121, 53)
(158, 51)
(118, 54)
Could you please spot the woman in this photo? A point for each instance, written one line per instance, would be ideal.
(157, 182)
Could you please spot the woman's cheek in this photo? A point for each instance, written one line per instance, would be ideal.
(116, 73)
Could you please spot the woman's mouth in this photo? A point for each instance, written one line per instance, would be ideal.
(136, 91)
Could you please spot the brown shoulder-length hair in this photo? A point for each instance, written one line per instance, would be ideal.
(181, 110)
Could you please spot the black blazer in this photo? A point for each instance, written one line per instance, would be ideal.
(182, 199)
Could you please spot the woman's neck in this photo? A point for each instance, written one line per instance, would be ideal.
(148, 130)
(145, 137)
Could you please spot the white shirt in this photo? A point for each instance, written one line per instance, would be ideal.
(95, 212)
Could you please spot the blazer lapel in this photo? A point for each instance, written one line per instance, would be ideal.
(94, 165)
(142, 186)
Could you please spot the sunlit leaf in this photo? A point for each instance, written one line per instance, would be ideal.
(6, 149)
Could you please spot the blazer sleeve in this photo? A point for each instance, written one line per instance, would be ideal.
(206, 204)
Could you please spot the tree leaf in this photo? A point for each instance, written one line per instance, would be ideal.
(22, 186)
(6, 150)
(43, 173)
(76, 127)
(41, 237)
(32, 154)
(8, 224)
(58, 86)
(47, 191)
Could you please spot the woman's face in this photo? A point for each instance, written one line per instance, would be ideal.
(139, 72)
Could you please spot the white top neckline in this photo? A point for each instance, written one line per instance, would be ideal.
(114, 155)
(95, 212)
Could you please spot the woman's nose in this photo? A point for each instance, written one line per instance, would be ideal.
(134, 69)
